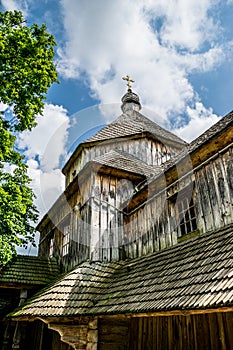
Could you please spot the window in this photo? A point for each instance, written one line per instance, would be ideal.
(186, 215)
(66, 240)
(51, 246)
(183, 208)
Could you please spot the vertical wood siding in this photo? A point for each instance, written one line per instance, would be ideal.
(150, 151)
(155, 226)
(101, 231)
(193, 332)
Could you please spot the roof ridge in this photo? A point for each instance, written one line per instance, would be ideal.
(130, 123)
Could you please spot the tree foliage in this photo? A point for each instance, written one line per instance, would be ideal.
(26, 72)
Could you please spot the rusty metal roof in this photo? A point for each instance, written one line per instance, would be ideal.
(196, 274)
(29, 270)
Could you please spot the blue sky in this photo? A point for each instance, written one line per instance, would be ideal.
(179, 52)
(200, 28)
(100, 41)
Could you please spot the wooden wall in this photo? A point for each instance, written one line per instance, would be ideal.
(155, 225)
(113, 333)
(97, 225)
(214, 189)
(205, 331)
(194, 332)
(152, 152)
(101, 229)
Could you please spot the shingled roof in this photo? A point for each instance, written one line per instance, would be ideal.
(215, 129)
(187, 151)
(132, 123)
(193, 275)
(126, 162)
(29, 270)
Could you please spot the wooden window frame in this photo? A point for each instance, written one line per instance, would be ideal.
(184, 210)
(66, 239)
(51, 245)
(187, 216)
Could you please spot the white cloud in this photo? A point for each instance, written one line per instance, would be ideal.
(3, 106)
(157, 42)
(201, 119)
(186, 22)
(11, 5)
(47, 139)
(47, 186)
(44, 146)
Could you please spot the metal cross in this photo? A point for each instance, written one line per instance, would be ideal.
(129, 80)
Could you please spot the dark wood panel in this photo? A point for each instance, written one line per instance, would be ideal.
(211, 331)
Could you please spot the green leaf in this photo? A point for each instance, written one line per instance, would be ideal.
(26, 71)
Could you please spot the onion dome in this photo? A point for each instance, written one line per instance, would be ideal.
(130, 101)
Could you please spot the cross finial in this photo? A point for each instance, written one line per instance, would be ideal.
(129, 80)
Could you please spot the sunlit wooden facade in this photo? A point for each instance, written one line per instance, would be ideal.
(138, 196)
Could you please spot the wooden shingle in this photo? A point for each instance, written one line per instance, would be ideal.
(126, 162)
(132, 123)
(193, 275)
(29, 270)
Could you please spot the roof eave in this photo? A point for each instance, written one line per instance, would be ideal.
(138, 135)
(193, 157)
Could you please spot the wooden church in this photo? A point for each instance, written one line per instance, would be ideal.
(137, 253)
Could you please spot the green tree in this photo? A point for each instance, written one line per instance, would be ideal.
(26, 72)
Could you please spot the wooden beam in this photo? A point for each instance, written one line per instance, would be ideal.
(170, 313)
(79, 319)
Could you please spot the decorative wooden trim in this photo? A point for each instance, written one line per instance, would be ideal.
(79, 336)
